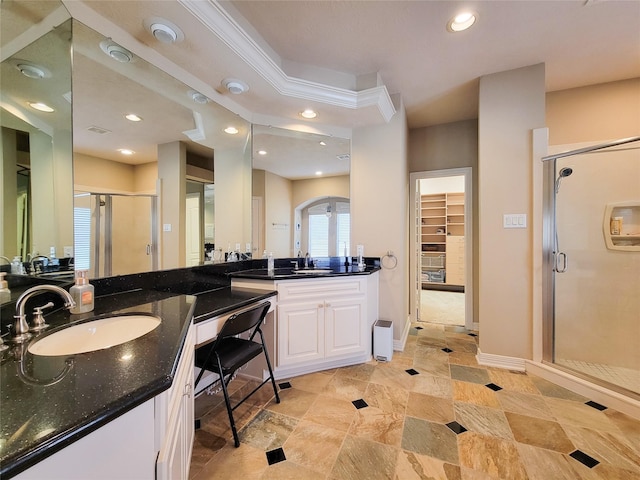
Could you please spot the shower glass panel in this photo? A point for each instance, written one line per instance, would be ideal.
(116, 234)
(596, 329)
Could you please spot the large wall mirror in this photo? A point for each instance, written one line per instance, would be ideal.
(300, 193)
(111, 179)
(36, 129)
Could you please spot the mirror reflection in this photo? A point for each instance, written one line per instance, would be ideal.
(300, 193)
(36, 134)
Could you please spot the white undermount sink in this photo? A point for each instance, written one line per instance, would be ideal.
(95, 335)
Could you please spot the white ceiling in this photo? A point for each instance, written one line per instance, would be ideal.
(339, 43)
(345, 59)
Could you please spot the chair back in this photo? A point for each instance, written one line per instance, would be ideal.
(244, 321)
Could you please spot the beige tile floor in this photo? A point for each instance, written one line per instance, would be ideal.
(442, 422)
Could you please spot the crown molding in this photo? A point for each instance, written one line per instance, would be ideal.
(220, 23)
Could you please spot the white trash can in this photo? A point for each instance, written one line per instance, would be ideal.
(383, 340)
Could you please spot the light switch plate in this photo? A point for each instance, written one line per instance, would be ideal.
(68, 251)
(514, 220)
(166, 227)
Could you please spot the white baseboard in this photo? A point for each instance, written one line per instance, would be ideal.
(398, 345)
(583, 387)
(501, 361)
(285, 372)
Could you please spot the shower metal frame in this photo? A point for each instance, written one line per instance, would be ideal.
(152, 248)
(549, 227)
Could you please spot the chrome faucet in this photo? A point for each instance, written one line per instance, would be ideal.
(21, 327)
(307, 258)
(5, 258)
(34, 258)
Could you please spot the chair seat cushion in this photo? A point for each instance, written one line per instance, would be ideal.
(234, 352)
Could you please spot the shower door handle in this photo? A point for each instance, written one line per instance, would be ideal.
(563, 268)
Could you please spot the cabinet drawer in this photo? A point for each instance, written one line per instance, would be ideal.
(312, 288)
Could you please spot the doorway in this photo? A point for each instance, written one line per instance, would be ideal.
(441, 242)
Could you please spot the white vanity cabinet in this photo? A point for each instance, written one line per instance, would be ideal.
(321, 323)
(175, 418)
(151, 441)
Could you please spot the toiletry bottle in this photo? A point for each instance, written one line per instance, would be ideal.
(16, 266)
(270, 264)
(5, 293)
(82, 293)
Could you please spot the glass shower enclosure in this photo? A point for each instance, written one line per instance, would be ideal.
(115, 234)
(592, 260)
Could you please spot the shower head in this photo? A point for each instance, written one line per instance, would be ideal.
(564, 172)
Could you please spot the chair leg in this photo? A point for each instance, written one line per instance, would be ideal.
(266, 356)
(227, 401)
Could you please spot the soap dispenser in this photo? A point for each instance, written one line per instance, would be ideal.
(5, 293)
(82, 293)
(270, 264)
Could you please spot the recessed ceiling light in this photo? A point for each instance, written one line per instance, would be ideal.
(115, 51)
(133, 117)
(231, 130)
(42, 107)
(235, 86)
(31, 70)
(163, 30)
(197, 97)
(126, 151)
(318, 172)
(262, 152)
(462, 21)
(323, 143)
(308, 113)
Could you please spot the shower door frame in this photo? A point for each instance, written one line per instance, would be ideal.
(549, 227)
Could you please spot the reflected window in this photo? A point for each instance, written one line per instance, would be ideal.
(329, 224)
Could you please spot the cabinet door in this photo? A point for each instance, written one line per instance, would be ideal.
(300, 333)
(345, 327)
(174, 457)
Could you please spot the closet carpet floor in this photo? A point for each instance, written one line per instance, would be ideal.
(430, 413)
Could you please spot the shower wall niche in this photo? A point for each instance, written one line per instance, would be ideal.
(621, 226)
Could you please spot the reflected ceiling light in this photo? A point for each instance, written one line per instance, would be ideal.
(462, 21)
(126, 356)
(42, 107)
(262, 152)
(198, 97)
(308, 113)
(163, 30)
(115, 51)
(132, 117)
(126, 151)
(235, 86)
(32, 70)
(231, 130)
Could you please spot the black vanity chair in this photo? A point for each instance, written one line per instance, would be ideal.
(228, 352)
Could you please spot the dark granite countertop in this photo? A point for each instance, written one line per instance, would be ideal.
(318, 272)
(39, 418)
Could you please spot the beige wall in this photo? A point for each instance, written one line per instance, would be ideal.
(232, 199)
(598, 112)
(305, 190)
(95, 174)
(278, 208)
(512, 104)
(172, 166)
(379, 206)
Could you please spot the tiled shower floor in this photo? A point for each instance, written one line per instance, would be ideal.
(621, 376)
(432, 412)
